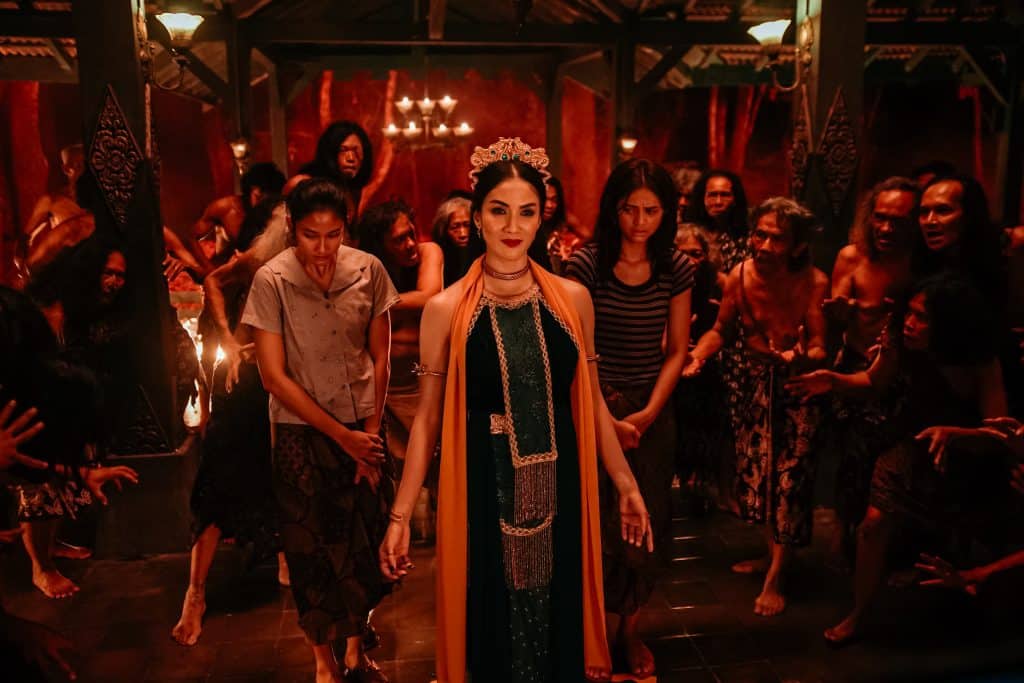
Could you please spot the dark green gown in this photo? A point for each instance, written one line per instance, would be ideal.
(533, 634)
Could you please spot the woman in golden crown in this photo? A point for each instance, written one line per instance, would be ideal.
(508, 379)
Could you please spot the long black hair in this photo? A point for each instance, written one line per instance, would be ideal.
(735, 217)
(494, 174)
(318, 194)
(981, 254)
(625, 179)
(558, 219)
(325, 163)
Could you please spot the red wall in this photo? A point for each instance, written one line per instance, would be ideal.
(908, 125)
(499, 106)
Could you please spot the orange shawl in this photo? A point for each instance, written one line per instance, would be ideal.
(451, 515)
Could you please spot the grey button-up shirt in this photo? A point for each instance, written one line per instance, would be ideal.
(325, 335)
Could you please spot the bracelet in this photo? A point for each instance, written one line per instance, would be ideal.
(419, 370)
(593, 359)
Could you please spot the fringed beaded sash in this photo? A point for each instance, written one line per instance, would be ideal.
(525, 434)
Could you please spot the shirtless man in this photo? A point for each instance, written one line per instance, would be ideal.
(869, 275)
(416, 268)
(947, 355)
(227, 217)
(773, 302)
(58, 222)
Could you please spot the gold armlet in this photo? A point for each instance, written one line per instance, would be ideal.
(420, 370)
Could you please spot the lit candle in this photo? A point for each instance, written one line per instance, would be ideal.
(391, 131)
(447, 104)
(442, 131)
(426, 106)
(463, 129)
(404, 105)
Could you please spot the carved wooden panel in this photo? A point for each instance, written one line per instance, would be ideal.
(114, 158)
(838, 151)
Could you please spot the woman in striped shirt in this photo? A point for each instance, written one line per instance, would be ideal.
(640, 286)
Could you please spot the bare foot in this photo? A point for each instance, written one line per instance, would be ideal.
(758, 566)
(190, 625)
(597, 674)
(283, 577)
(641, 661)
(53, 584)
(71, 552)
(842, 633)
(770, 602)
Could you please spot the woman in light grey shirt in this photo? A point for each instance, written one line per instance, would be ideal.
(319, 311)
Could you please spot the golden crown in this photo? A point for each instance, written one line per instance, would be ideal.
(509, 149)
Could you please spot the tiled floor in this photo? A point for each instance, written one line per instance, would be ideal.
(699, 623)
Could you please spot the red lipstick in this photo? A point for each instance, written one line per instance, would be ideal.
(511, 243)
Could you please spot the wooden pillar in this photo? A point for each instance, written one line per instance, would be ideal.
(553, 119)
(239, 59)
(1010, 165)
(121, 157)
(623, 66)
(278, 119)
(828, 136)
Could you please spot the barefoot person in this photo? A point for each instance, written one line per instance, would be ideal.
(416, 269)
(641, 286)
(232, 495)
(319, 313)
(870, 274)
(509, 382)
(772, 302)
(953, 380)
(32, 373)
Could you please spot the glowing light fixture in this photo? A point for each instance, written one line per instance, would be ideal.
(770, 33)
(181, 26)
(628, 143)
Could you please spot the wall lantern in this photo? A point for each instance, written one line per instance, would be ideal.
(627, 143)
(181, 26)
(769, 34)
(240, 152)
(181, 23)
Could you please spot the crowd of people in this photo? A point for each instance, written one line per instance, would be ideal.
(547, 387)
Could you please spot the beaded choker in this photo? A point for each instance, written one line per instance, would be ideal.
(498, 275)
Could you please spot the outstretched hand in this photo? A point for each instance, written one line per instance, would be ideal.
(95, 478)
(939, 439)
(946, 575)
(39, 644)
(13, 433)
(812, 384)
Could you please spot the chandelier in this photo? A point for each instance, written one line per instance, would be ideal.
(425, 126)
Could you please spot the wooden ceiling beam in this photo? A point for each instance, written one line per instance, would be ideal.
(20, 24)
(659, 33)
(64, 60)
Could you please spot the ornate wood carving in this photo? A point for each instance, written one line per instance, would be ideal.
(115, 158)
(800, 151)
(838, 151)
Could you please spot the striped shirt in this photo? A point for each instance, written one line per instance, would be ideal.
(630, 319)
